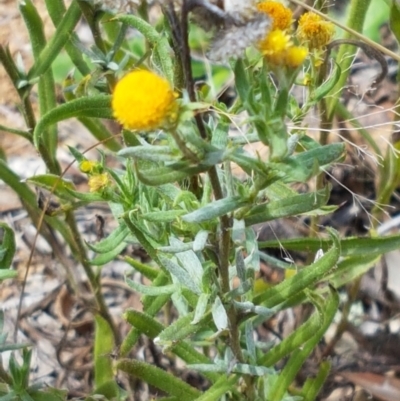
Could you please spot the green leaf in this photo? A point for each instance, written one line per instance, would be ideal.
(152, 153)
(288, 374)
(106, 257)
(351, 268)
(313, 386)
(219, 315)
(103, 348)
(395, 19)
(181, 274)
(6, 274)
(55, 184)
(322, 90)
(152, 291)
(215, 209)
(290, 206)
(152, 328)
(7, 251)
(112, 241)
(91, 106)
(156, 40)
(349, 246)
(178, 171)
(307, 277)
(158, 378)
(218, 389)
(57, 41)
(151, 306)
(182, 329)
(241, 82)
(300, 167)
(165, 216)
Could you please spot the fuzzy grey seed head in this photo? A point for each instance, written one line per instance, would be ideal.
(235, 39)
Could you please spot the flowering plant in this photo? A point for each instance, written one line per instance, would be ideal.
(202, 176)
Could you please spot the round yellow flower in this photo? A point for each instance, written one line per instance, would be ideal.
(143, 100)
(281, 16)
(274, 47)
(87, 166)
(314, 30)
(295, 56)
(98, 182)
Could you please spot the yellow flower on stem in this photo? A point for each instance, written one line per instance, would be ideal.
(144, 101)
(314, 30)
(98, 182)
(281, 16)
(88, 166)
(295, 56)
(274, 47)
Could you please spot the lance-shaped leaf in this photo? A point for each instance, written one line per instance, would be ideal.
(219, 315)
(299, 356)
(152, 153)
(178, 171)
(165, 216)
(189, 261)
(7, 249)
(112, 241)
(57, 41)
(152, 328)
(307, 277)
(215, 209)
(302, 166)
(103, 348)
(55, 184)
(156, 40)
(290, 206)
(182, 275)
(94, 106)
(158, 378)
(182, 329)
(349, 246)
(106, 257)
(218, 389)
(152, 291)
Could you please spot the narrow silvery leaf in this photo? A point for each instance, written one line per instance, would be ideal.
(215, 209)
(184, 246)
(252, 261)
(181, 275)
(201, 307)
(219, 315)
(240, 267)
(252, 370)
(238, 231)
(152, 291)
(190, 262)
(150, 153)
(200, 240)
(250, 344)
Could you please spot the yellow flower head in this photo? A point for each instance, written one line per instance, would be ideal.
(315, 31)
(281, 15)
(143, 100)
(295, 56)
(98, 182)
(87, 166)
(275, 46)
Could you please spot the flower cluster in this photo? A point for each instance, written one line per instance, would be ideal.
(278, 47)
(144, 101)
(314, 31)
(98, 179)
